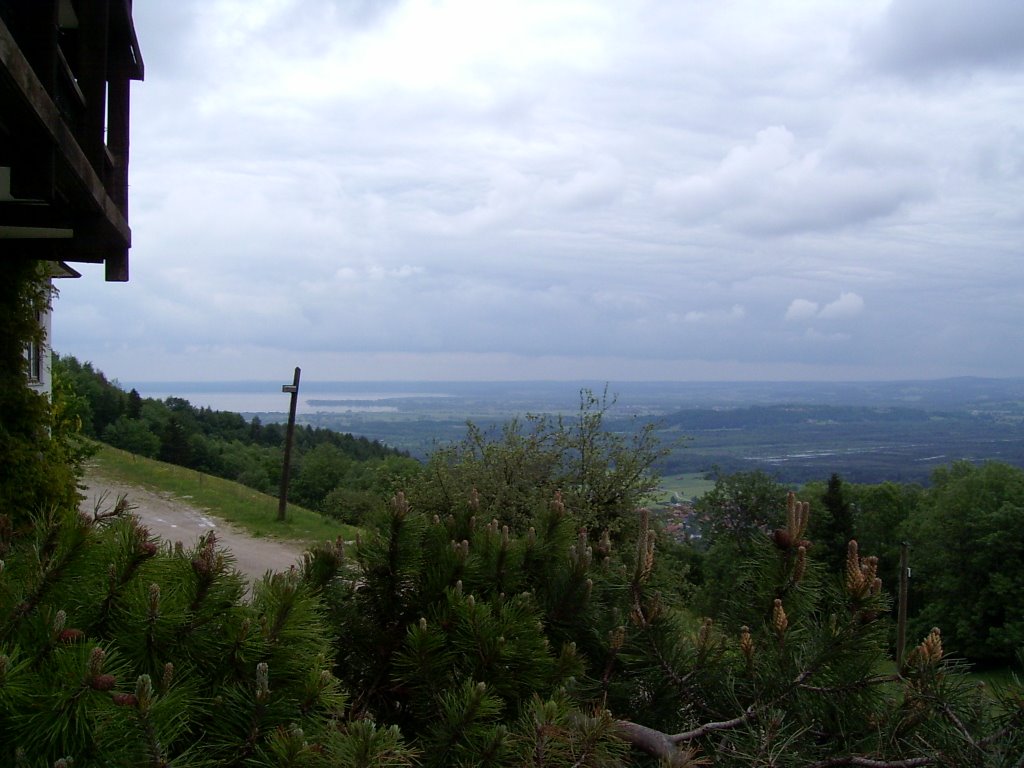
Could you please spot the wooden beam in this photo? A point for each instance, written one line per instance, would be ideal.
(118, 114)
(16, 70)
(85, 250)
(36, 26)
(115, 266)
(91, 68)
(128, 59)
(28, 214)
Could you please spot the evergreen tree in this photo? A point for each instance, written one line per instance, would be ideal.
(116, 651)
(836, 526)
(174, 443)
(470, 639)
(133, 409)
(454, 641)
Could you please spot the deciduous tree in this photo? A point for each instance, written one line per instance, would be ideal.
(968, 551)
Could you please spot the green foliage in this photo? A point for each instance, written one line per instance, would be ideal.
(740, 506)
(349, 506)
(235, 504)
(38, 449)
(458, 643)
(132, 435)
(834, 524)
(470, 637)
(226, 445)
(322, 469)
(102, 401)
(465, 636)
(603, 476)
(738, 511)
(968, 546)
(879, 514)
(116, 651)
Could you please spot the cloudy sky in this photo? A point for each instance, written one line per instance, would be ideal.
(569, 189)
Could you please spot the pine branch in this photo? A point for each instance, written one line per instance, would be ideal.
(958, 724)
(1002, 733)
(680, 682)
(141, 547)
(51, 569)
(665, 746)
(857, 685)
(153, 749)
(867, 762)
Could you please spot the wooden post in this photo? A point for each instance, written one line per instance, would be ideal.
(901, 619)
(293, 388)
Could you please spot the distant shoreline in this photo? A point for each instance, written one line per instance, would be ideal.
(638, 397)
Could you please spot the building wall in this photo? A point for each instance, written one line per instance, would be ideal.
(40, 357)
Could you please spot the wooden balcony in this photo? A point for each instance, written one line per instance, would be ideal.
(65, 73)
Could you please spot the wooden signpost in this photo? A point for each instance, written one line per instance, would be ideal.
(293, 388)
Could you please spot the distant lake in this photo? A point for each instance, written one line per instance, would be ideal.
(637, 397)
(267, 397)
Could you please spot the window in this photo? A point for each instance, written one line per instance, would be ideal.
(33, 356)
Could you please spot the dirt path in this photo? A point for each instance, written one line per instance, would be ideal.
(175, 520)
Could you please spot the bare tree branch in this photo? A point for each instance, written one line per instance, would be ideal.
(707, 728)
(651, 741)
(665, 746)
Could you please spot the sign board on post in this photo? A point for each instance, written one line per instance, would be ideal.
(293, 389)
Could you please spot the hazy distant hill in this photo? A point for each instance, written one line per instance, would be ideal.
(866, 431)
(652, 397)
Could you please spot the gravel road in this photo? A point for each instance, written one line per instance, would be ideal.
(174, 519)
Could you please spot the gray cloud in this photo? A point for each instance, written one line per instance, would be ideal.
(771, 187)
(848, 304)
(548, 189)
(917, 37)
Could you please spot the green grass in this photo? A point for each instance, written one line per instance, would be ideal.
(995, 677)
(686, 486)
(243, 507)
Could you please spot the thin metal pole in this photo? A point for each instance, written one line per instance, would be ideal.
(282, 500)
(901, 619)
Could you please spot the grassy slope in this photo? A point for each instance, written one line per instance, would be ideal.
(241, 506)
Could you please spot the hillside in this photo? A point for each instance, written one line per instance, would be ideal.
(174, 520)
(231, 503)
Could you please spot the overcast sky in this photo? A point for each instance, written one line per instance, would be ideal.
(579, 189)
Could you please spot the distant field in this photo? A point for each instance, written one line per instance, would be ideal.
(252, 511)
(686, 486)
(867, 432)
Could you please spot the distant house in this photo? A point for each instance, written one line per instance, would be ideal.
(65, 72)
